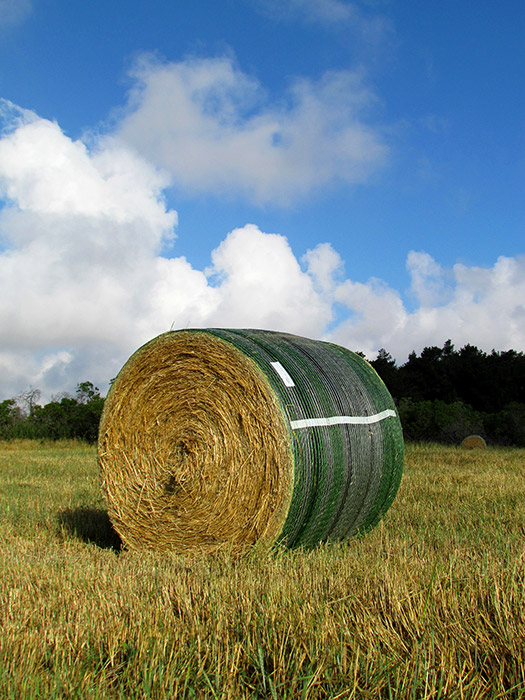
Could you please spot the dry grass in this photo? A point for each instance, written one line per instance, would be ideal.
(431, 604)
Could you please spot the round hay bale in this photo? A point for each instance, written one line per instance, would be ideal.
(221, 438)
(474, 442)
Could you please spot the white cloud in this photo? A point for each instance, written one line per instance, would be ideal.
(213, 128)
(377, 315)
(76, 228)
(429, 280)
(262, 285)
(37, 162)
(484, 307)
(14, 11)
(82, 278)
(325, 266)
(83, 281)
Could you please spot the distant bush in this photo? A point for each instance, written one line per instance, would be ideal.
(437, 421)
(507, 427)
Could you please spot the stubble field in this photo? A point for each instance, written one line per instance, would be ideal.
(430, 604)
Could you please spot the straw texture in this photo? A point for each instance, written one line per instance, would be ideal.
(224, 438)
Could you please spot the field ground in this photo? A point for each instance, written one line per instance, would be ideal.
(430, 604)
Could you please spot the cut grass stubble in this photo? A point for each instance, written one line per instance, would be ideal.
(428, 605)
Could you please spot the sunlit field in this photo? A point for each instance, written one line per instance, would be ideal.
(430, 604)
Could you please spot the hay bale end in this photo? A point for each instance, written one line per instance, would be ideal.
(474, 442)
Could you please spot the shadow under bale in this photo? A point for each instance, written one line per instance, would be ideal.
(90, 525)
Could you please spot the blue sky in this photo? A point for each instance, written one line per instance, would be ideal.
(345, 170)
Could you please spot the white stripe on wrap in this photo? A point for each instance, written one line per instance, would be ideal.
(287, 380)
(338, 420)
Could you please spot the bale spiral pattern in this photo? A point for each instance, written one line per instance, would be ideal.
(223, 438)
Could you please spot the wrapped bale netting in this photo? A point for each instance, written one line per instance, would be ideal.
(224, 438)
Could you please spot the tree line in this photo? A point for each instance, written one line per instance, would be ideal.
(445, 394)
(442, 395)
(66, 417)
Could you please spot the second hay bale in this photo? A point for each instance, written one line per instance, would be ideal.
(474, 442)
(221, 438)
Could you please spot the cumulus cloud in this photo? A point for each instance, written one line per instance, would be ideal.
(429, 285)
(84, 279)
(480, 306)
(325, 266)
(214, 129)
(262, 285)
(74, 229)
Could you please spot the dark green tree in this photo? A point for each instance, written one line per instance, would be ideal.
(386, 367)
(10, 416)
(86, 392)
